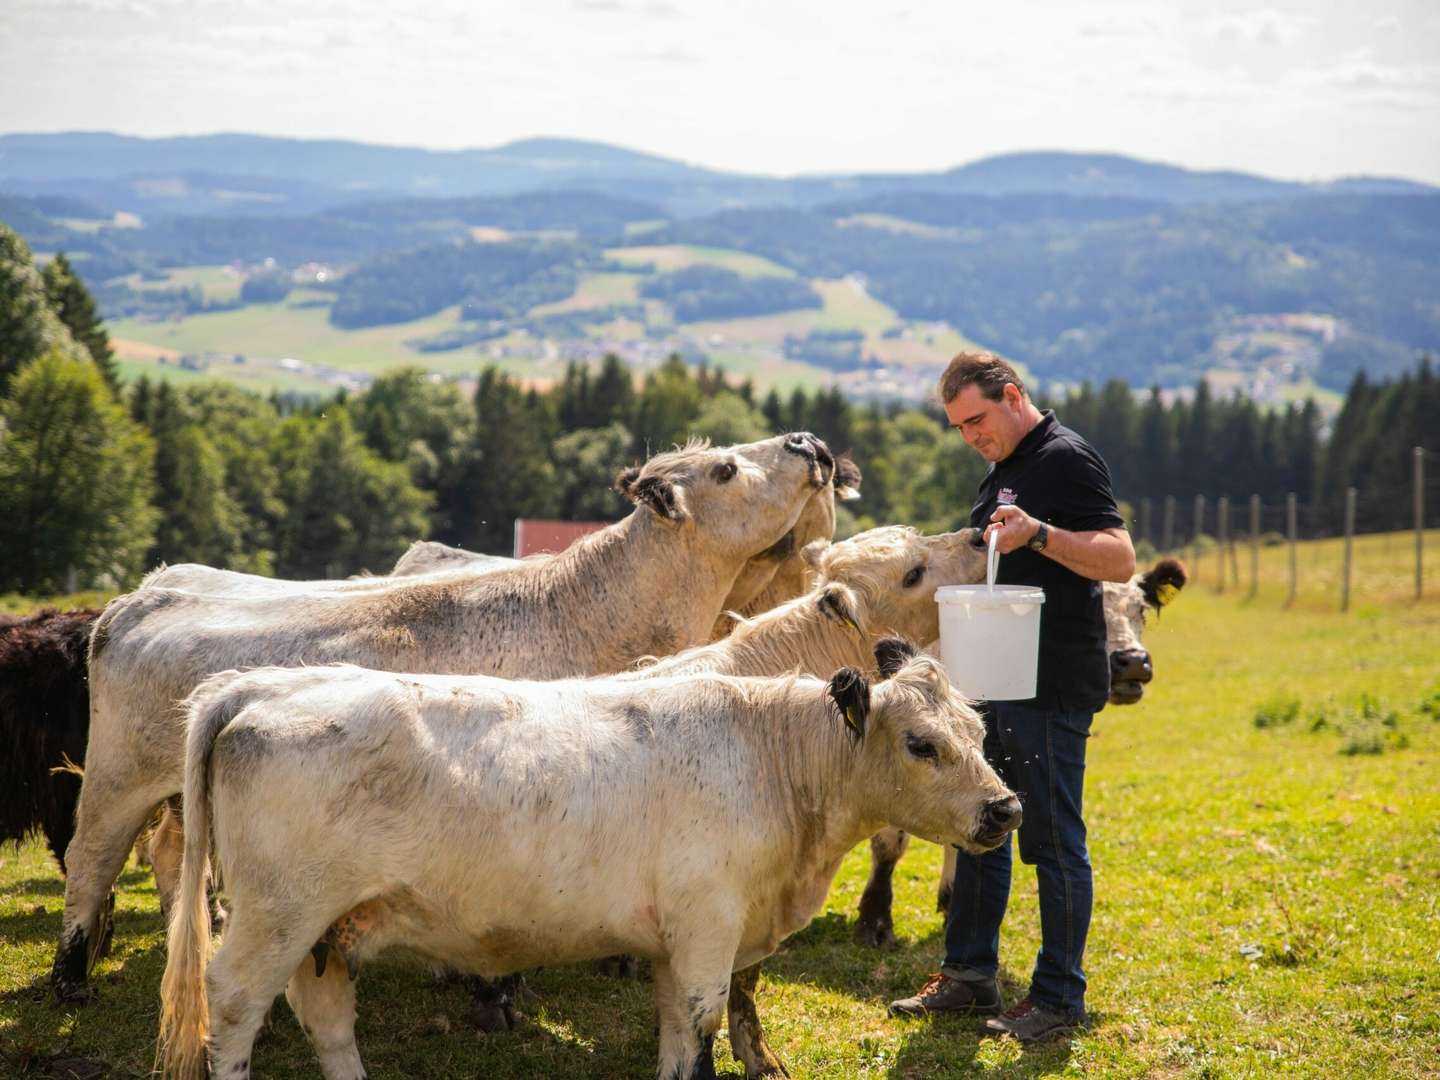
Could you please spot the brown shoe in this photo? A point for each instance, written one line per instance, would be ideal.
(1031, 1022)
(942, 994)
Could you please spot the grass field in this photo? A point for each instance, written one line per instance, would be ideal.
(1267, 897)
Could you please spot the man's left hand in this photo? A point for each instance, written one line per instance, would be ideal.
(1015, 527)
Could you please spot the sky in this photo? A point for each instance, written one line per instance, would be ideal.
(1293, 89)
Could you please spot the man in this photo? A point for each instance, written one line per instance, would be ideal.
(1047, 496)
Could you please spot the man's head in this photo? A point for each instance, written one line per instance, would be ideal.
(986, 402)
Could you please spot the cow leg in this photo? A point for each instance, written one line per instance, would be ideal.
(876, 925)
(496, 1002)
(251, 967)
(325, 1007)
(747, 1038)
(166, 846)
(947, 881)
(109, 820)
(692, 988)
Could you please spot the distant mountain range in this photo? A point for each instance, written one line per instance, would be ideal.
(1082, 266)
(252, 174)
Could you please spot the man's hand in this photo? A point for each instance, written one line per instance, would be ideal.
(1015, 527)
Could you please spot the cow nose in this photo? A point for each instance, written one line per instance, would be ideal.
(1002, 815)
(1131, 665)
(808, 446)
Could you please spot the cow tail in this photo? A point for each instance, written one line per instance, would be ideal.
(184, 1006)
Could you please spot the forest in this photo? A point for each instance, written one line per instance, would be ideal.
(101, 481)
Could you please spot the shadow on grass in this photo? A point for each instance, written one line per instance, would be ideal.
(955, 1046)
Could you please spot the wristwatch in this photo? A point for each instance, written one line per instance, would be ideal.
(1040, 539)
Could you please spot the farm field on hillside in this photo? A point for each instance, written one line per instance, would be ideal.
(1266, 893)
(291, 345)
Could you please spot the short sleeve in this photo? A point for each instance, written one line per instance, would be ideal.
(1088, 499)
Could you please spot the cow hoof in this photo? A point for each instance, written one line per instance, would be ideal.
(69, 993)
(619, 967)
(874, 934)
(494, 1019)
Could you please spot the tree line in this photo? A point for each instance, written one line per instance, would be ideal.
(100, 481)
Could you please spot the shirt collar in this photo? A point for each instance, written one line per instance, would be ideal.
(1036, 435)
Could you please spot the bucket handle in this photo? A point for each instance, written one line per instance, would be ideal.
(992, 560)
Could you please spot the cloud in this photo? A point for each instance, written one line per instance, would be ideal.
(670, 55)
(1118, 26)
(1266, 27)
(650, 9)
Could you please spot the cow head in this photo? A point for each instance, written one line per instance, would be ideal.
(923, 767)
(1126, 606)
(883, 581)
(735, 500)
(779, 572)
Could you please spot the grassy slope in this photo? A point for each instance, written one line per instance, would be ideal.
(265, 333)
(1207, 835)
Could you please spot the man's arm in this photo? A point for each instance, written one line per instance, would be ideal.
(1102, 555)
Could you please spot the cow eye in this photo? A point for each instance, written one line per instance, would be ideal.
(921, 748)
(913, 577)
(724, 473)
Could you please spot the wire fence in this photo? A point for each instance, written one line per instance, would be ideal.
(1231, 544)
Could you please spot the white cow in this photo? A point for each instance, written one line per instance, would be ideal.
(493, 825)
(647, 585)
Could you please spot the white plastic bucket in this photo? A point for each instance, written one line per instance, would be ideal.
(990, 636)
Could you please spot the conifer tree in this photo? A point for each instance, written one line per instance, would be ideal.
(74, 305)
(29, 328)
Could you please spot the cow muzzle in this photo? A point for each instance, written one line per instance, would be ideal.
(1130, 670)
(813, 450)
(998, 820)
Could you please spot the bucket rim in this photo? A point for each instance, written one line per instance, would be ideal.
(982, 595)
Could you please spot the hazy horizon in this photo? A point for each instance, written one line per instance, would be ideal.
(1297, 90)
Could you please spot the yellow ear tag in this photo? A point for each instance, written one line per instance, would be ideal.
(1166, 593)
(851, 722)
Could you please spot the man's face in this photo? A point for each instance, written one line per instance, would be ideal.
(992, 428)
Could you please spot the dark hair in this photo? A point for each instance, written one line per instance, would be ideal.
(982, 369)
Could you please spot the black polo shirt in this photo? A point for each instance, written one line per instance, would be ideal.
(1056, 477)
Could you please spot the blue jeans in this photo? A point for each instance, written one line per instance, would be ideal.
(1040, 754)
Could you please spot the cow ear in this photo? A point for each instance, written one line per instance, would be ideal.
(1160, 583)
(891, 654)
(625, 480)
(661, 496)
(813, 552)
(838, 602)
(851, 694)
(847, 478)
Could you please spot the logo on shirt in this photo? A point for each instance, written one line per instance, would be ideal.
(1007, 497)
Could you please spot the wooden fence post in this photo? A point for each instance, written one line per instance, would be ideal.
(1254, 545)
(1169, 534)
(1419, 521)
(1222, 536)
(1292, 529)
(1195, 537)
(1349, 545)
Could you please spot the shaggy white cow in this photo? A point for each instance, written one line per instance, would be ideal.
(646, 585)
(1126, 606)
(493, 826)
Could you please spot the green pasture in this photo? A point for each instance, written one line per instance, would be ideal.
(667, 257)
(1265, 829)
